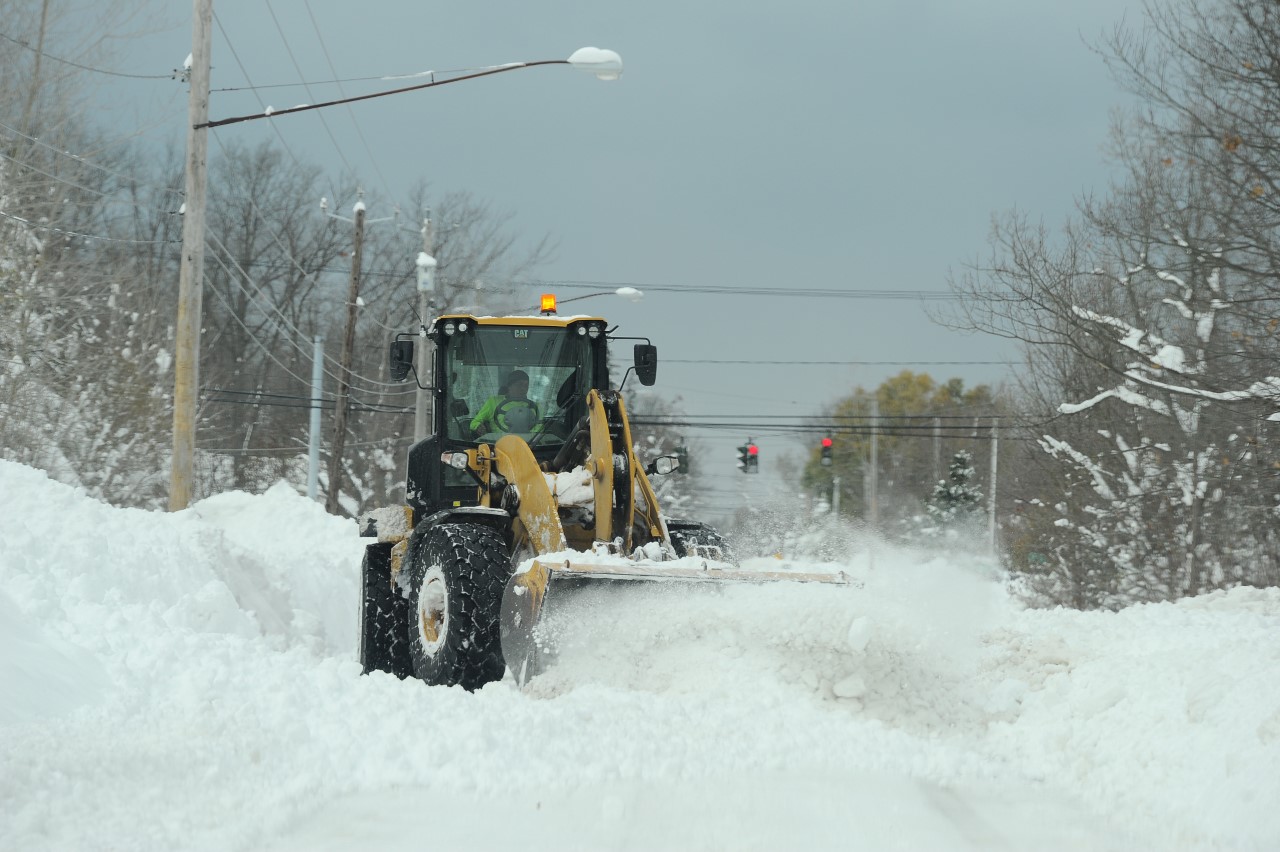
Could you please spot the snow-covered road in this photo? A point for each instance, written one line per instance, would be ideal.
(188, 681)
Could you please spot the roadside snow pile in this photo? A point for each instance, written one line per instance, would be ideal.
(1167, 712)
(189, 681)
(89, 585)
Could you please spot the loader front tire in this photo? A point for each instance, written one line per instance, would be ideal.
(457, 574)
(384, 616)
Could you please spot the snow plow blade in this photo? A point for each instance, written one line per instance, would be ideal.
(658, 572)
(524, 599)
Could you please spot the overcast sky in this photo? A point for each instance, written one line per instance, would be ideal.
(817, 144)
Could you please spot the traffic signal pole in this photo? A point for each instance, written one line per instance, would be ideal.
(991, 499)
(873, 496)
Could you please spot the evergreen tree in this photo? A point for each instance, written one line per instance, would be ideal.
(955, 498)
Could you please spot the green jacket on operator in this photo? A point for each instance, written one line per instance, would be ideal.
(493, 415)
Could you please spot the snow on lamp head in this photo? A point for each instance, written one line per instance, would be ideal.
(605, 64)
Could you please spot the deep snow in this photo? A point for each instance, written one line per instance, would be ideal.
(188, 681)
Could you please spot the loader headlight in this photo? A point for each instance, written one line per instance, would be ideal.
(450, 328)
(582, 329)
(462, 326)
(593, 332)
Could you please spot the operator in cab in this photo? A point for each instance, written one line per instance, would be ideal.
(509, 410)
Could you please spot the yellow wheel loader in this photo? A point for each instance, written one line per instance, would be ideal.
(528, 483)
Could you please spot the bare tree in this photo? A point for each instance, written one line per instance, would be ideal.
(1148, 329)
(479, 259)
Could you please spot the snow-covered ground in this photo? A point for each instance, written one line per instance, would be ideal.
(188, 681)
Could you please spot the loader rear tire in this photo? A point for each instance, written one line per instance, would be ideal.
(685, 535)
(384, 616)
(457, 574)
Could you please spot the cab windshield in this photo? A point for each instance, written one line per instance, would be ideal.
(524, 381)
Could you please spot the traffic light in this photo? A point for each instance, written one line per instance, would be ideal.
(749, 457)
(826, 452)
(682, 456)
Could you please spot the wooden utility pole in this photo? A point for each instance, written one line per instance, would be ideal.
(344, 373)
(186, 361)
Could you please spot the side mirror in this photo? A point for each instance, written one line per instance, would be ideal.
(646, 363)
(663, 465)
(400, 359)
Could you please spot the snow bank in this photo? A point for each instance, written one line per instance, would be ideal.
(1166, 712)
(272, 565)
(188, 681)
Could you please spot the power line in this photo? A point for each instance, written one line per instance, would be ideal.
(373, 161)
(262, 217)
(248, 331)
(301, 448)
(860, 417)
(293, 262)
(324, 405)
(289, 50)
(283, 319)
(81, 235)
(382, 78)
(77, 158)
(724, 290)
(801, 430)
(216, 244)
(262, 87)
(295, 397)
(54, 177)
(244, 71)
(271, 306)
(111, 198)
(23, 44)
(840, 363)
(714, 290)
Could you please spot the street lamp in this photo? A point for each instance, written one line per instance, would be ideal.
(604, 64)
(631, 294)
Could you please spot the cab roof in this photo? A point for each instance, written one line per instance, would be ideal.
(517, 321)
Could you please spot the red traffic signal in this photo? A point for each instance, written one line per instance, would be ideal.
(826, 443)
(753, 450)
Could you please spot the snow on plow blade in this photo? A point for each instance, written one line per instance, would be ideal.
(524, 599)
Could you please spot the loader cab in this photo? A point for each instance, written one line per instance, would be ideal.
(474, 357)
